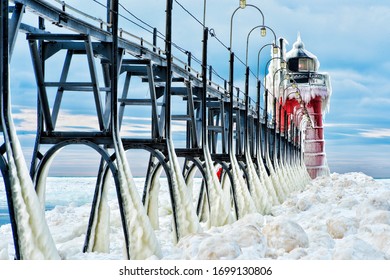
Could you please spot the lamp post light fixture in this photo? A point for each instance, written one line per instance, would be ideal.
(242, 6)
(275, 51)
(274, 45)
(283, 65)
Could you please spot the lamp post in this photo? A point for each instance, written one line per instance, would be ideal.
(231, 67)
(275, 51)
(260, 147)
(168, 49)
(283, 65)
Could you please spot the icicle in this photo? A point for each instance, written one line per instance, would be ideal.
(278, 185)
(35, 240)
(203, 210)
(187, 221)
(100, 235)
(152, 207)
(265, 179)
(245, 202)
(295, 176)
(41, 183)
(285, 183)
(259, 192)
(143, 242)
(219, 204)
(227, 190)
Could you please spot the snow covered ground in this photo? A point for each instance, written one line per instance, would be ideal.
(343, 216)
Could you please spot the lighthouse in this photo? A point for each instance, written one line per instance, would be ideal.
(306, 99)
(303, 96)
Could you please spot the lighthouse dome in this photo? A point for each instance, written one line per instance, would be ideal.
(301, 60)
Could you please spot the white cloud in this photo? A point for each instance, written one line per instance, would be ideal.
(341, 125)
(376, 133)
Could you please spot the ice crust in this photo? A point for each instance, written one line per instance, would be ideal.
(298, 228)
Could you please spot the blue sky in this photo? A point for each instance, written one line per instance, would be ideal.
(350, 39)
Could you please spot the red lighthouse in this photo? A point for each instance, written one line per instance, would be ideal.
(306, 100)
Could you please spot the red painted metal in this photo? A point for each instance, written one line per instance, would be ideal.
(314, 142)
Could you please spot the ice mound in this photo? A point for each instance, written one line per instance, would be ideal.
(352, 248)
(340, 227)
(227, 242)
(286, 235)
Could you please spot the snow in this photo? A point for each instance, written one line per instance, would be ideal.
(341, 216)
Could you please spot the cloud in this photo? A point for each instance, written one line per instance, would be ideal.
(376, 133)
(349, 125)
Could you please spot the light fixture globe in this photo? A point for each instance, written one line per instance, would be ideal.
(263, 31)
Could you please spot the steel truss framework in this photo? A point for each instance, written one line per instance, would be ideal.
(211, 109)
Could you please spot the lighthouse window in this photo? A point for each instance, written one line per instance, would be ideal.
(306, 65)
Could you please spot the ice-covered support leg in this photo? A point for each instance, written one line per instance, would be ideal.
(98, 226)
(245, 203)
(219, 204)
(187, 220)
(201, 198)
(142, 240)
(266, 181)
(284, 179)
(203, 204)
(98, 232)
(229, 189)
(151, 191)
(258, 191)
(7, 185)
(34, 236)
(277, 183)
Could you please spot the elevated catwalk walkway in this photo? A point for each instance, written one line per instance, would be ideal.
(217, 120)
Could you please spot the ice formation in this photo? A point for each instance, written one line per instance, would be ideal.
(142, 239)
(100, 232)
(245, 203)
(186, 220)
(259, 191)
(277, 184)
(266, 180)
(219, 203)
(35, 240)
(152, 202)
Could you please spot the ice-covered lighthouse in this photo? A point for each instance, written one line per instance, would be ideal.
(305, 98)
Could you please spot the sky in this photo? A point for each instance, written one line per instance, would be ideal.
(350, 39)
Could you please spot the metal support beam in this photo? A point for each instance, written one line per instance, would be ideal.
(38, 70)
(168, 50)
(14, 25)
